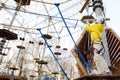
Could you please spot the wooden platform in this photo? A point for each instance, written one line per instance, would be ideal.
(23, 2)
(8, 34)
(99, 77)
(7, 77)
(84, 45)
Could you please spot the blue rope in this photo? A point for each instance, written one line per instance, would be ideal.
(78, 51)
(53, 54)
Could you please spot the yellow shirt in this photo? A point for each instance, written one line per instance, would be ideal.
(95, 30)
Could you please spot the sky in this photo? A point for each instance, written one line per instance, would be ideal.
(113, 12)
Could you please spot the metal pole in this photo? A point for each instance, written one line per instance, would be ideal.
(98, 9)
(77, 49)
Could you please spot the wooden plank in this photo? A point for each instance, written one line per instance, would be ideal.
(84, 6)
(118, 64)
(23, 2)
(7, 77)
(114, 48)
(99, 77)
(79, 70)
(80, 43)
(81, 67)
(115, 53)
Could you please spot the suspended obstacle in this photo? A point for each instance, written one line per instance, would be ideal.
(47, 36)
(20, 47)
(8, 34)
(23, 2)
(14, 68)
(41, 62)
(58, 53)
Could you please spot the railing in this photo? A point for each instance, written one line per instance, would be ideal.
(114, 49)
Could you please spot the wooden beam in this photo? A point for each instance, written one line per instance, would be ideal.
(80, 65)
(84, 6)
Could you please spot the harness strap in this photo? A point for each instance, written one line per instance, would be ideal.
(99, 51)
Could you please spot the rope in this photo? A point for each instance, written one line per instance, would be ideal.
(50, 20)
(77, 49)
(51, 3)
(15, 14)
(53, 54)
